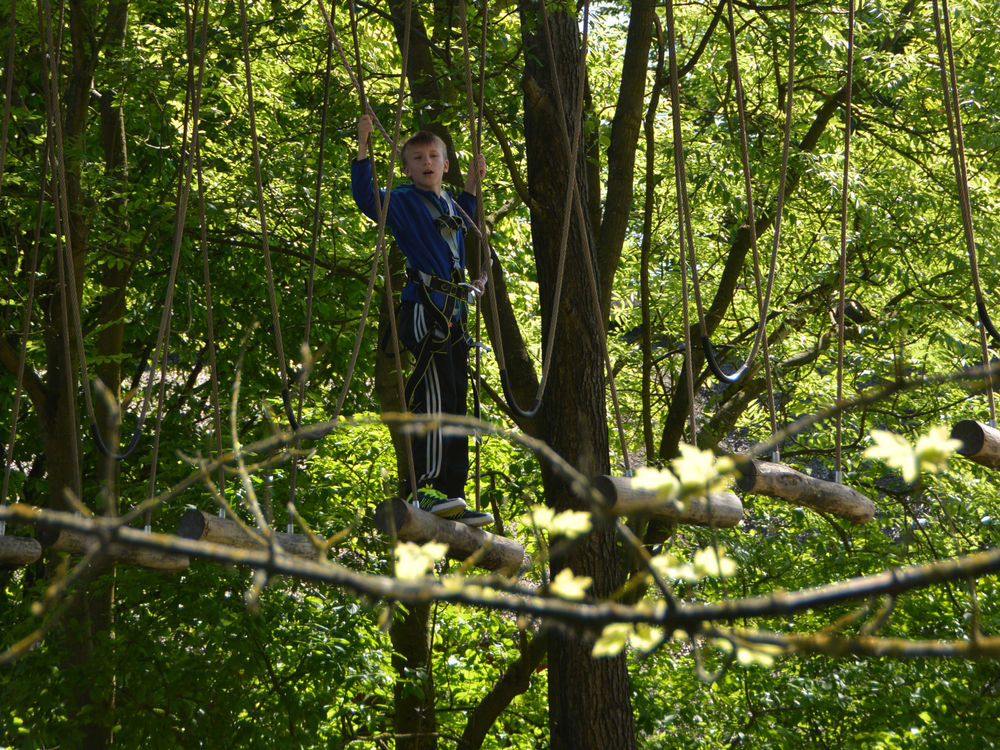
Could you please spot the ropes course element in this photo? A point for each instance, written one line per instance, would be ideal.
(721, 510)
(62, 219)
(265, 243)
(785, 483)
(310, 282)
(758, 477)
(73, 542)
(201, 526)
(685, 231)
(473, 546)
(571, 149)
(980, 442)
(953, 112)
(842, 281)
(763, 300)
(63, 239)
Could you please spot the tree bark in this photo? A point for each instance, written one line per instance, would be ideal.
(575, 423)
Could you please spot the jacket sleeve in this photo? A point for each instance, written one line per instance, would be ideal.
(468, 203)
(362, 187)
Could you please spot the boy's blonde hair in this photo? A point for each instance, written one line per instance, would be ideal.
(423, 138)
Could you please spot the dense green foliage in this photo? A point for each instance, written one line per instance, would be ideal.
(196, 659)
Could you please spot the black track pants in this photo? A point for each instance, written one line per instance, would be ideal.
(438, 384)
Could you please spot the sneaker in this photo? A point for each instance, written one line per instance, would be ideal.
(473, 518)
(434, 502)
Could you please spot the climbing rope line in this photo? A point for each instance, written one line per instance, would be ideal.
(163, 333)
(262, 215)
(26, 323)
(679, 185)
(763, 299)
(358, 81)
(207, 276)
(949, 85)
(685, 230)
(382, 212)
(842, 282)
(763, 305)
(192, 118)
(63, 239)
(485, 254)
(310, 279)
(571, 149)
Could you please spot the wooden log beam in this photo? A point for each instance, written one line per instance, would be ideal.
(206, 527)
(785, 483)
(722, 510)
(77, 543)
(980, 442)
(18, 551)
(488, 551)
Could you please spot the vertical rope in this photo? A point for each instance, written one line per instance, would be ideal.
(207, 276)
(842, 285)
(262, 216)
(949, 85)
(682, 234)
(310, 282)
(64, 249)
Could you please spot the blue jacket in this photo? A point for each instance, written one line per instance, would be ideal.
(413, 226)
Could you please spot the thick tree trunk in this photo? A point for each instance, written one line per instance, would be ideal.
(414, 719)
(575, 422)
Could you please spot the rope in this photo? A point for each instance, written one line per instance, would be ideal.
(949, 84)
(841, 325)
(265, 243)
(310, 282)
(381, 209)
(763, 305)
(680, 187)
(475, 128)
(763, 301)
(64, 250)
(192, 117)
(206, 274)
(572, 150)
(686, 234)
(380, 242)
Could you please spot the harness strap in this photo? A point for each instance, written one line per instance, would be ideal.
(451, 289)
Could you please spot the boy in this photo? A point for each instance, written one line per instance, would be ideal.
(427, 226)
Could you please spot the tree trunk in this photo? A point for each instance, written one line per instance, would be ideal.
(575, 423)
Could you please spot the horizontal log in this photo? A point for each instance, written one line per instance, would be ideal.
(722, 510)
(206, 527)
(76, 543)
(980, 442)
(490, 551)
(18, 551)
(785, 483)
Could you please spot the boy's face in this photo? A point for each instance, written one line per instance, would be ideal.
(425, 165)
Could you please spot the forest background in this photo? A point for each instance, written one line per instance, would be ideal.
(174, 196)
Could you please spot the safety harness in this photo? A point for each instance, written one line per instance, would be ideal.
(447, 328)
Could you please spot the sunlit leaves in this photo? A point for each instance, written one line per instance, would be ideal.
(414, 561)
(568, 523)
(708, 562)
(616, 636)
(570, 586)
(930, 453)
